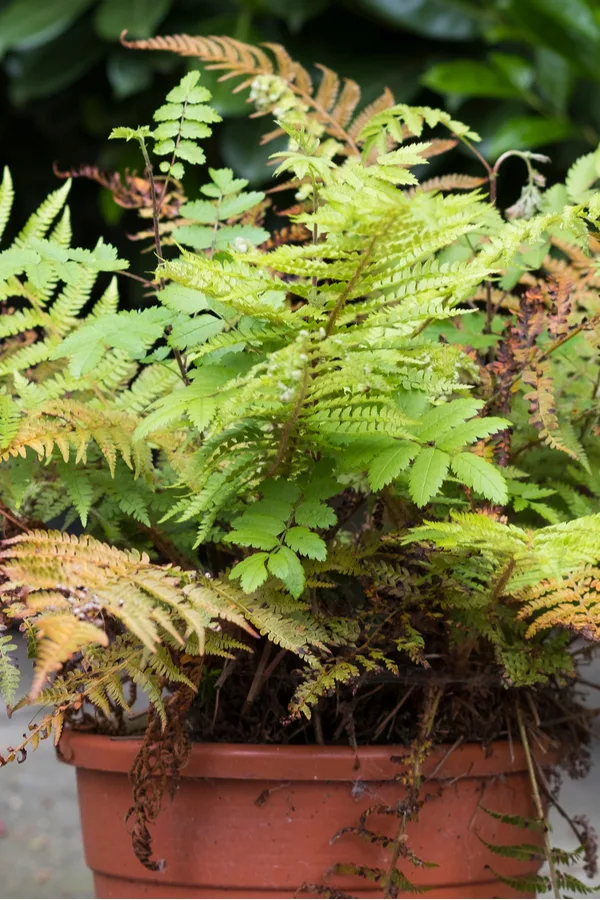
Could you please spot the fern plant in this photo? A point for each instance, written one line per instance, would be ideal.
(366, 439)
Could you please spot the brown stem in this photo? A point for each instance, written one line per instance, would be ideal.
(9, 516)
(163, 193)
(583, 326)
(399, 840)
(334, 126)
(258, 677)
(480, 157)
(432, 701)
(538, 801)
(349, 287)
(286, 431)
(381, 727)
(149, 173)
(553, 800)
(144, 281)
(272, 666)
(590, 415)
(318, 725)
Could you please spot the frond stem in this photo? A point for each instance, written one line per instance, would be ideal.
(341, 300)
(538, 801)
(149, 173)
(286, 431)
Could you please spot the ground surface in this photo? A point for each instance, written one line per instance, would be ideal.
(40, 843)
(41, 855)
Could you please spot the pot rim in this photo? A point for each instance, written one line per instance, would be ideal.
(286, 762)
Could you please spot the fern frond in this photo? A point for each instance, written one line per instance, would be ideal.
(450, 183)
(60, 637)
(10, 677)
(6, 199)
(125, 585)
(571, 602)
(542, 405)
(38, 224)
(271, 77)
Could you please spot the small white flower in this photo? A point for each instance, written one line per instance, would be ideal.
(241, 245)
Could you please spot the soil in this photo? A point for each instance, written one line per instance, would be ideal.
(381, 708)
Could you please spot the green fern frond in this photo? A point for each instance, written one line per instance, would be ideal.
(38, 224)
(6, 199)
(10, 677)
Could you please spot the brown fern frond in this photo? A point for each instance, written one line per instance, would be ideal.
(348, 101)
(328, 88)
(68, 425)
(165, 751)
(291, 234)
(225, 53)
(287, 68)
(266, 139)
(542, 409)
(571, 602)
(51, 723)
(438, 146)
(384, 101)
(60, 637)
(97, 579)
(449, 183)
(129, 191)
(236, 59)
(559, 292)
(518, 350)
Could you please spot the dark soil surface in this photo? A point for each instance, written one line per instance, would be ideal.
(381, 708)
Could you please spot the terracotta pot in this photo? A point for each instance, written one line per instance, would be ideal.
(257, 821)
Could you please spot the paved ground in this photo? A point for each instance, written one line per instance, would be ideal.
(40, 846)
(40, 842)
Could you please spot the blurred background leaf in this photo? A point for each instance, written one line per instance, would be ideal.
(524, 73)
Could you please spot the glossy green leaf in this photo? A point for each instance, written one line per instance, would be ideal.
(128, 74)
(430, 18)
(140, 18)
(53, 66)
(25, 24)
(295, 14)
(555, 78)
(528, 132)
(515, 69)
(469, 78)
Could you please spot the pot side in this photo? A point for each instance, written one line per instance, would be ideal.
(257, 820)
